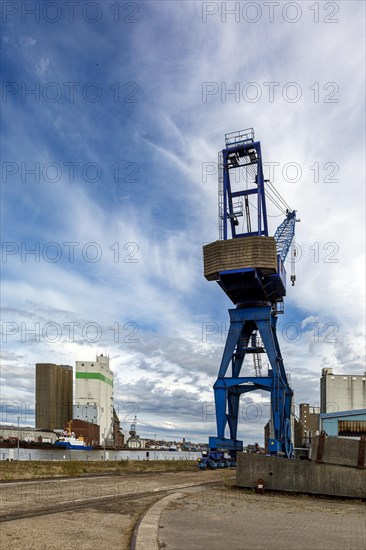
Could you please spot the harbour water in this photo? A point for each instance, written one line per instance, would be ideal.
(67, 454)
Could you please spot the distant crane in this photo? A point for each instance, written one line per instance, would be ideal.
(134, 440)
(249, 267)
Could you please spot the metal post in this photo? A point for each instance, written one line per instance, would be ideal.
(18, 436)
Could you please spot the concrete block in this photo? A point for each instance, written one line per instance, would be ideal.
(300, 476)
(338, 450)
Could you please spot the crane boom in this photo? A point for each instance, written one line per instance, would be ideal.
(284, 234)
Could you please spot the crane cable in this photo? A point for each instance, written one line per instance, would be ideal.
(274, 201)
(251, 169)
(273, 195)
(278, 195)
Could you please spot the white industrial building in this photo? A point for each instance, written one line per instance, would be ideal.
(26, 434)
(342, 392)
(94, 394)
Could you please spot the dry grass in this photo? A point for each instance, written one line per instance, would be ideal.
(40, 469)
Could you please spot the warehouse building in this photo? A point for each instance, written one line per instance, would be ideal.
(344, 423)
(30, 435)
(87, 430)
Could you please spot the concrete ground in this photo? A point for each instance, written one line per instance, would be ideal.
(215, 518)
(212, 516)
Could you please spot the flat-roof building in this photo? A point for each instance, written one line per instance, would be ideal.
(344, 423)
(342, 392)
(94, 395)
(307, 425)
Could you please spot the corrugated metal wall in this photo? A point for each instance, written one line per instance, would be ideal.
(353, 428)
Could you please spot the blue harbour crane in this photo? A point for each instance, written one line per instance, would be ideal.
(248, 265)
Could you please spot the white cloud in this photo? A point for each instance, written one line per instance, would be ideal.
(171, 210)
(28, 41)
(309, 320)
(42, 65)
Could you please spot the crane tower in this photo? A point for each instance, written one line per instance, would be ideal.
(248, 265)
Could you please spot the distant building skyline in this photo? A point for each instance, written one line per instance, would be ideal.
(307, 424)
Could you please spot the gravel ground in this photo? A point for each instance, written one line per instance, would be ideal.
(104, 517)
(98, 527)
(105, 511)
(218, 518)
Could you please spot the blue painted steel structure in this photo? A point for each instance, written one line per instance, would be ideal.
(257, 295)
(284, 234)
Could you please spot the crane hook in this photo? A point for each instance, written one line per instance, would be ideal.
(293, 256)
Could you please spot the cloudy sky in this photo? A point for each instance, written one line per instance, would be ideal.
(113, 114)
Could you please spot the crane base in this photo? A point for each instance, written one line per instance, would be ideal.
(274, 446)
(223, 443)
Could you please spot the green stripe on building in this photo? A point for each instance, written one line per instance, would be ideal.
(94, 376)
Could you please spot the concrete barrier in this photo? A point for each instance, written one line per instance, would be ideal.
(338, 450)
(300, 476)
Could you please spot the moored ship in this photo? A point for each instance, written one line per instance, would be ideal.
(70, 441)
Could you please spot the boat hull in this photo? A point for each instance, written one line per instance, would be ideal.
(70, 446)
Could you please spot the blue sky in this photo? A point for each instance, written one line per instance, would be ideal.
(124, 119)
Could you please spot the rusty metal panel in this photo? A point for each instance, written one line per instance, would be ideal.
(320, 451)
(244, 252)
(361, 453)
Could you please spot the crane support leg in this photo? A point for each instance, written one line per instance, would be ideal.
(244, 320)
